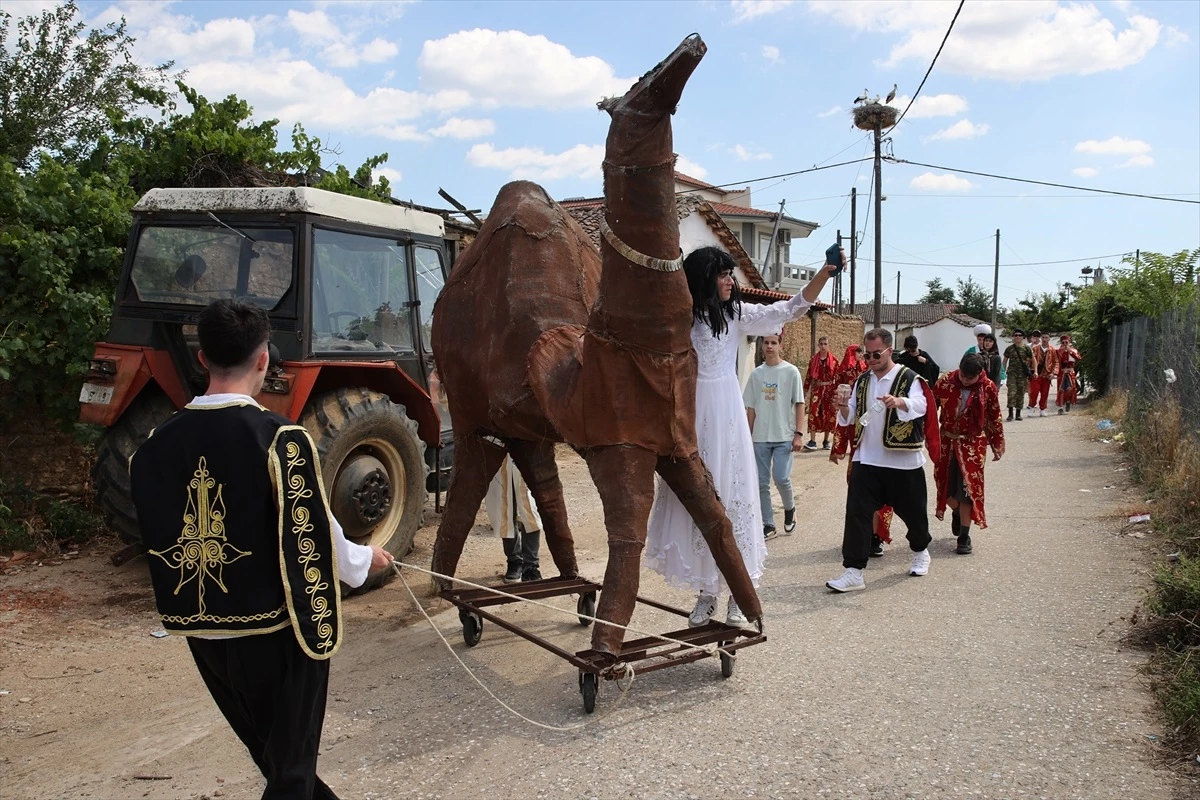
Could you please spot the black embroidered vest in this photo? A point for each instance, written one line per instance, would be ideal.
(236, 526)
(897, 435)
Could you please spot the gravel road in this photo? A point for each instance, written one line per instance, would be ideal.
(999, 675)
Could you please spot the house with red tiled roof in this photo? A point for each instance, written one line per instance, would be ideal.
(752, 227)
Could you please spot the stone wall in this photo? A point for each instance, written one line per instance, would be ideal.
(799, 341)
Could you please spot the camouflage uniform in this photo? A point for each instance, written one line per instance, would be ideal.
(1018, 357)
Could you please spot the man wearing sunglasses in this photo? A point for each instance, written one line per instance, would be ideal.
(886, 408)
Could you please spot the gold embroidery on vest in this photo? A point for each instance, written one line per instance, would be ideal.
(302, 525)
(901, 430)
(202, 551)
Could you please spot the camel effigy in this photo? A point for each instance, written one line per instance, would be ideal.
(538, 340)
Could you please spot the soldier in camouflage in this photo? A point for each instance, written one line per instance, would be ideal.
(1018, 363)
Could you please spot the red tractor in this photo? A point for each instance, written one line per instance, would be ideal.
(350, 286)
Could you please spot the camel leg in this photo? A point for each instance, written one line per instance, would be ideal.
(476, 462)
(535, 460)
(624, 476)
(691, 482)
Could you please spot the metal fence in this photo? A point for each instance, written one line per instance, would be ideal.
(1158, 358)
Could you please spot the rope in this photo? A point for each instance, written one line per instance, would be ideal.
(620, 698)
(710, 650)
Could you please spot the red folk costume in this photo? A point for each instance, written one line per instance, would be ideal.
(1068, 383)
(843, 444)
(966, 434)
(853, 365)
(819, 384)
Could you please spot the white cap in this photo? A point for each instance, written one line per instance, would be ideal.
(982, 329)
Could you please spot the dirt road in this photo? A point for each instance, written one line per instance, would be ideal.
(999, 675)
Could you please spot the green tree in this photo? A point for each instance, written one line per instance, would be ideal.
(937, 293)
(1143, 288)
(973, 299)
(58, 85)
(1042, 312)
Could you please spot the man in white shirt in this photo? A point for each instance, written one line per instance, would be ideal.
(886, 407)
(774, 399)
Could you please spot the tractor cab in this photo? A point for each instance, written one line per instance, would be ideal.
(349, 285)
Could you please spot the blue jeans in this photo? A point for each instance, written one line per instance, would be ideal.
(774, 461)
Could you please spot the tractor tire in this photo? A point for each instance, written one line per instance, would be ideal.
(373, 468)
(110, 474)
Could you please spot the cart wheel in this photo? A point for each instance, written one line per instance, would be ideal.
(589, 683)
(727, 664)
(472, 625)
(587, 607)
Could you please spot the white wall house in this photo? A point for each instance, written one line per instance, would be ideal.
(752, 227)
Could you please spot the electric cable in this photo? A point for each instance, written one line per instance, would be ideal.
(945, 38)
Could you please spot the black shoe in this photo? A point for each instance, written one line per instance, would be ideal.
(531, 574)
(1068, 406)
(1018, 416)
(789, 520)
(876, 547)
(964, 545)
(769, 532)
(515, 573)
(955, 525)
(1010, 415)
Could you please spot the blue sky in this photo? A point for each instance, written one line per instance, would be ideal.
(469, 95)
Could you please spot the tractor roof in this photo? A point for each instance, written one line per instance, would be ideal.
(294, 200)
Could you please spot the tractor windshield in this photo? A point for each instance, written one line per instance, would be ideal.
(361, 295)
(194, 265)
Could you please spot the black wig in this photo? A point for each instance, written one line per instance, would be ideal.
(702, 267)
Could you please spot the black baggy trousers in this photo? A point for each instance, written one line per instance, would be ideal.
(273, 696)
(872, 488)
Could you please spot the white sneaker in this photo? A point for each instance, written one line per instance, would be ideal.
(734, 615)
(850, 581)
(706, 606)
(920, 563)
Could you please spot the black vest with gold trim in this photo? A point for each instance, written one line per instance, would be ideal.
(237, 527)
(897, 435)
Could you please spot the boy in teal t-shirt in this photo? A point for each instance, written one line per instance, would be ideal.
(774, 399)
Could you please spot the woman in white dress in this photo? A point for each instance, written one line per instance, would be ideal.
(674, 546)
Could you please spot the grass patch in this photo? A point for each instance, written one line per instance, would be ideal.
(34, 522)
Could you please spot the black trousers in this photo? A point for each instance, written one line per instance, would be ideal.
(872, 488)
(273, 696)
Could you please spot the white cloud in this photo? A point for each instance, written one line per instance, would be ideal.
(533, 163)
(1115, 146)
(936, 105)
(393, 175)
(941, 183)
(830, 112)
(1031, 40)
(350, 54)
(963, 129)
(313, 26)
(511, 68)
(771, 53)
(688, 167)
(747, 155)
(1086, 172)
(745, 10)
(1139, 161)
(163, 36)
(1176, 37)
(456, 128)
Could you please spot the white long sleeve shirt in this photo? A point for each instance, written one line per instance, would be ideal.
(870, 449)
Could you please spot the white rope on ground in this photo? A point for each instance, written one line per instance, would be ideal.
(710, 650)
(624, 689)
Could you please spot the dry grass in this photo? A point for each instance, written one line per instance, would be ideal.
(1113, 406)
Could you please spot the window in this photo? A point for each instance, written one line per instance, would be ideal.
(794, 273)
(430, 279)
(198, 264)
(360, 293)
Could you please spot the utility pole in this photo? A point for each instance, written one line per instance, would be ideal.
(853, 241)
(770, 246)
(1137, 261)
(878, 232)
(897, 301)
(996, 280)
(837, 286)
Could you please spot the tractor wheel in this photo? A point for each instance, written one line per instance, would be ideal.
(110, 474)
(373, 468)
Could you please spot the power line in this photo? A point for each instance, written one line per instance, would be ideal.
(992, 266)
(780, 175)
(931, 63)
(960, 196)
(1046, 183)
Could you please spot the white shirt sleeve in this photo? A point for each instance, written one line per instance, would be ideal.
(354, 560)
(916, 403)
(765, 320)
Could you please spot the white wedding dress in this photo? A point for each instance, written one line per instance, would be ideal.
(674, 547)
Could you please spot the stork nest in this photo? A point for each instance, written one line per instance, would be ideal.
(870, 116)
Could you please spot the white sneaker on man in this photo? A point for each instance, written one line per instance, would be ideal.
(706, 606)
(850, 581)
(734, 615)
(920, 563)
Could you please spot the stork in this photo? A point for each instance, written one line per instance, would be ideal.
(891, 95)
(862, 98)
